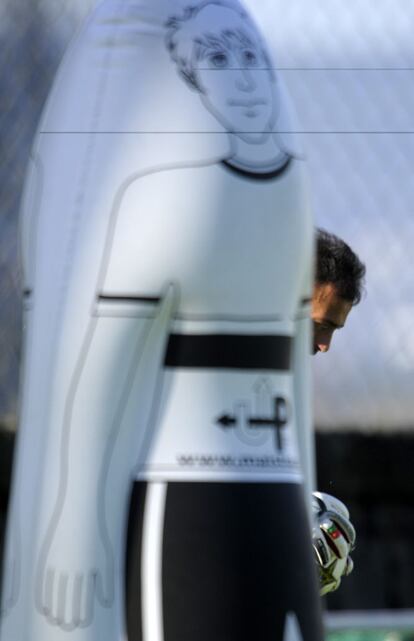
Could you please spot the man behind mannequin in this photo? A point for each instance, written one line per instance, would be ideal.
(338, 287)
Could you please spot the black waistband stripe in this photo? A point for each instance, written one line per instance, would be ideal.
(127, 299)
(229, 351)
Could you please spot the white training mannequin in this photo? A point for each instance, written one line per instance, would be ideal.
(163, 210)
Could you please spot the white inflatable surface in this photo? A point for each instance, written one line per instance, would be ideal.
(167, 244)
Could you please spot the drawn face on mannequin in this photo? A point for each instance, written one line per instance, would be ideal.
(237, 87)
(220, 53)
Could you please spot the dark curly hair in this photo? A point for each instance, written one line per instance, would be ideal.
(336, 263)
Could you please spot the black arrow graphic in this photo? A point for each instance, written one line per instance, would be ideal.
(277, 421)
(227, 421)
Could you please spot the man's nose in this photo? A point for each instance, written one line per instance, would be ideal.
(324, 347)
(324, 344)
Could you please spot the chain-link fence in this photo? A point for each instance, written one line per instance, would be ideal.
(350, 71)
(33, 37)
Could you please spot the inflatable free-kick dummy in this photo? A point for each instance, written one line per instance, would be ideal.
(167, 248)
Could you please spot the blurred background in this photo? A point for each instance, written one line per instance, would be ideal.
(349, 68)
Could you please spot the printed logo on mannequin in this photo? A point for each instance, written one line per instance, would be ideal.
(253, 428)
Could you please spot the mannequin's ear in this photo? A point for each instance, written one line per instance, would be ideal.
(191, 80)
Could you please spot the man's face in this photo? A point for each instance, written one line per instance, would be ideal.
(329, 312)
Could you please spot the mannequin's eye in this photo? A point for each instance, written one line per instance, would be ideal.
(219, 60)
(249, 58)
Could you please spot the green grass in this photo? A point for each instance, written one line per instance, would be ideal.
(371, 635)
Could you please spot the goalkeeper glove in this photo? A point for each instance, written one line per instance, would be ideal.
(333, 538)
